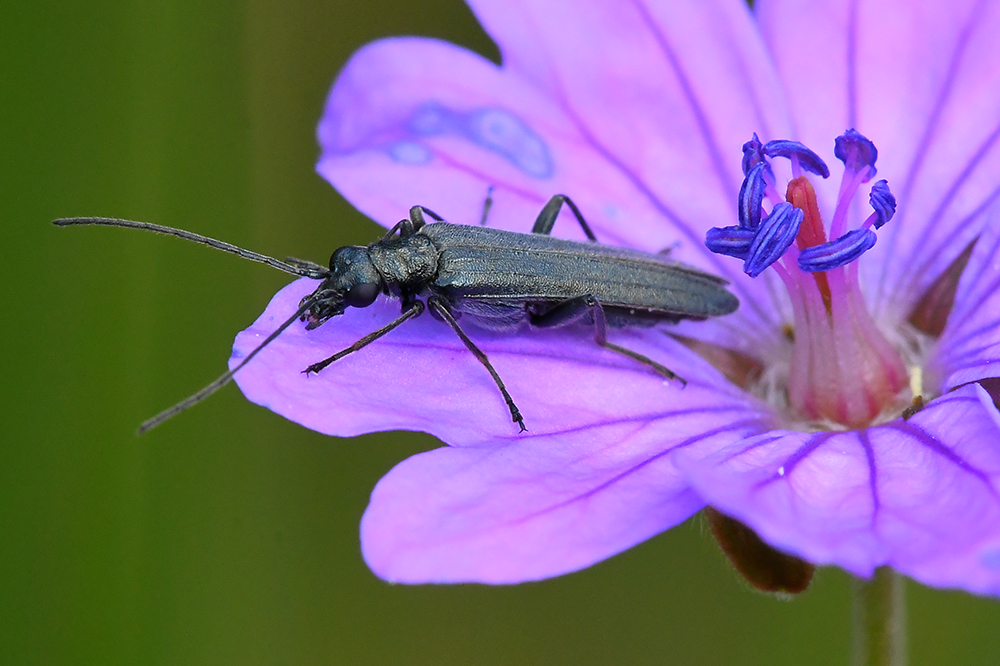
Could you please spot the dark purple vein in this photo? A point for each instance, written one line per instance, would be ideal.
(803, 452)
(936, 446)
(931, 127)
(946, 200)
(624, 474)
(872, 472)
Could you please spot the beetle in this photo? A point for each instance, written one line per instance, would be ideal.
(503, 280)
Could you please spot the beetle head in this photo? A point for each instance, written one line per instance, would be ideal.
(353, 281)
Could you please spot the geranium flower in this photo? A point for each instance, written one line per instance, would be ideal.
(640, 111)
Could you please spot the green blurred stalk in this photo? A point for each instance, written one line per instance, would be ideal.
(880, 620)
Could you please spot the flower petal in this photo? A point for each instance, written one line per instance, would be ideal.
(920, 80)
(421, 377)
(921, 495)
(590, 478)
(525, 510)
(418, 121)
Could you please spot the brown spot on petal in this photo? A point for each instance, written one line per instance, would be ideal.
(738, 368)
(930, 314)
(992, 386)
(765, 568)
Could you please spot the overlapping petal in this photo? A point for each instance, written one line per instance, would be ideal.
(418, 121)
(920, 79)
(921, 495)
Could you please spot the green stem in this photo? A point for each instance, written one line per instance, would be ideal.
(880, 620)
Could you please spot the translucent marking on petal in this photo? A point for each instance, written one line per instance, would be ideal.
(409, 152)
(991, 559)
(856, 151)
(497, 130)
(237, 353)
(505, 133)
(432, 119)
(776, 234)
(753, 154)
(808, 160)
(730, 241)
(792, 461)
(837, 253)
(752, 196)
(882, 202)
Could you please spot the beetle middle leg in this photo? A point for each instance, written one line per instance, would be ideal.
(439, 307)
(487, 205)
(547, 218)
(414, 310)
(574, 309)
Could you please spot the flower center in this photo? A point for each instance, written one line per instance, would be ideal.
(842, 367)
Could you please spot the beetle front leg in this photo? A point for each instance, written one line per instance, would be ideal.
(413, 311)
(574, 309)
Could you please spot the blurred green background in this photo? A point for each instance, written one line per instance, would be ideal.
(230, 536)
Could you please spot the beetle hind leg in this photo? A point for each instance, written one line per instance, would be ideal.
(575, 309)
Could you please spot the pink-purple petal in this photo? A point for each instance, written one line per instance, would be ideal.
(405, 124)
(592, 476)
(421, 377)
(524, 510)
(920, 80)
(921, 495)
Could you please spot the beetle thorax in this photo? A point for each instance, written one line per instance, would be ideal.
(405, 262)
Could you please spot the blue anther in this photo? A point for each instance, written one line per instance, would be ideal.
(882, 202)
(752, 196)
(837, 253)
(808, 160)
(856, 151)
(776, 233)
(753, 153)
(730, 241)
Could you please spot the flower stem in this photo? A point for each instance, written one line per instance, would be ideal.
(880, 620)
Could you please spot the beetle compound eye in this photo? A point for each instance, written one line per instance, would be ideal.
(362, 295)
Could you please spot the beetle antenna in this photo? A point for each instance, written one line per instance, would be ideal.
(225, 378)
(313, 271)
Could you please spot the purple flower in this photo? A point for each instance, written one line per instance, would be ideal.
(808, 427)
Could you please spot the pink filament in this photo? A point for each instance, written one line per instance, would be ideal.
(843, 369)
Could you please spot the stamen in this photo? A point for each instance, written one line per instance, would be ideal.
(797, 152)
(884, 203)
(856, 151)
(773, 238)
(730, 241)
(753, 154)
(752, 196)
(842, 367)
(837, 253)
